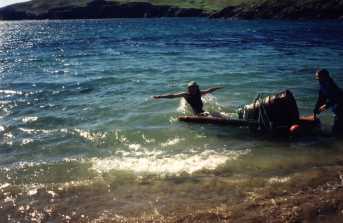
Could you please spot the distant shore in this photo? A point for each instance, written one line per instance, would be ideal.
(101, 9)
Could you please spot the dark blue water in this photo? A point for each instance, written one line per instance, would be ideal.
(75, 96)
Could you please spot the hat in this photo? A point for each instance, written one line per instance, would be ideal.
(192, 84)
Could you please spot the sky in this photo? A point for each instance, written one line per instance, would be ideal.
(9, 2)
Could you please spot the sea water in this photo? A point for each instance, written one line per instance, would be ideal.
(80, 134)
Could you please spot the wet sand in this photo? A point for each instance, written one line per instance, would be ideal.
(318, 197)
(312, 195)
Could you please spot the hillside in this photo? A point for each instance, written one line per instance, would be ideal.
(285, 9)
(40, 6)
(236, 9)
(94, 9)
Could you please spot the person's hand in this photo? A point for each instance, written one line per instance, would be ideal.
(322, 108)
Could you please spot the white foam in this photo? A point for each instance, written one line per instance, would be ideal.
(166, 164)
(26, 141)
(210, 104)
(29, 119)
(135, 147)
(148, 140)
(8, 138)
(32, 192)
(172, 142)
(11, 92)
(183, 106)
(275, 180)
(35, 131)
(91, 136)
(4, 185)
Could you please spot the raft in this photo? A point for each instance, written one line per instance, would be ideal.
(272, 112)
(215, 120)
(276, 113)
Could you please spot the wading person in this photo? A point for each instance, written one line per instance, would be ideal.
(330, 96)
(192, 96)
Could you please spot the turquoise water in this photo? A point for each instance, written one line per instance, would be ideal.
(76, 108)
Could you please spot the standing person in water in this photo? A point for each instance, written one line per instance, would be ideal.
(192, 96)
(330, 95)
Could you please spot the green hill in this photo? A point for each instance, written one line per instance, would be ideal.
(207, 5)
(241, 9)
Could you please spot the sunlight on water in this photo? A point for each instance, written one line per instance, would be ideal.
(29, 119)
(93, 137)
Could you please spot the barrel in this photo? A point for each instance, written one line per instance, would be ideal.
(279, 110)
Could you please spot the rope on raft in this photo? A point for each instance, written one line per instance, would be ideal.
(270, 113)
(263, 120)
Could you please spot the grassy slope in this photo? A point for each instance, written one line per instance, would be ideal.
(39, 6)
(208, 5)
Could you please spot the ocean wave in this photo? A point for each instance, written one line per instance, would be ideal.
(171, 142)
(94, 137)
(164, 165)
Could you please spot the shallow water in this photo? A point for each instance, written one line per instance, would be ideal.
(77, 118)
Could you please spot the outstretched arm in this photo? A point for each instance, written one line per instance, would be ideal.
(176, 95)
(210, 90)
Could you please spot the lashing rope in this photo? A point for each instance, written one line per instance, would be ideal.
(263, 120)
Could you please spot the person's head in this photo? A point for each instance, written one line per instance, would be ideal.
(322, 75)
(193, 88)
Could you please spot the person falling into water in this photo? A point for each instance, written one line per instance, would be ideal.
(330, 95)
(192, 96)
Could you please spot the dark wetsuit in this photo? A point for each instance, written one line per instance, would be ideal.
(332, 96)
(195, 102)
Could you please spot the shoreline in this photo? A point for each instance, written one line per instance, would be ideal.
(311, 195)
(180, 18)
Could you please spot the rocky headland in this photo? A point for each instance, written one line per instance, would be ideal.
(285, 9)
